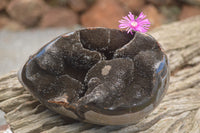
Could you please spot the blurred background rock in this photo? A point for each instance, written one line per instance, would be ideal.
(26, 14)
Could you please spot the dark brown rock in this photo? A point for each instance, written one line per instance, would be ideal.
(3, 4)
(55, 3)
(104, 13)
(99, 72)
(7, 23)
(134, 5)
(59, 17)
(77, 5)
(189, 11)
(153, 15)
(161, 2)
(90, 2)
(27, 12)
(192, 2)
(3, 21)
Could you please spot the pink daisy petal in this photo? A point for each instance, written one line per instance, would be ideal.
(127, 29)
(126, 18)
(131, 16)
(131, 24)
(122, 21)
(130, 30)
(145, 21)
(141, 29)
(125, 23)
(123, 26)
(141, 16)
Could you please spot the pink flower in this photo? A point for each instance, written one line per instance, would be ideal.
(135, 24)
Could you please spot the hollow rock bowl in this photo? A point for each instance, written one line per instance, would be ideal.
(99, 75)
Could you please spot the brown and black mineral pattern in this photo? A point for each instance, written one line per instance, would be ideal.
(99, 71)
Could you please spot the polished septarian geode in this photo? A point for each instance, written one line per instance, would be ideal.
(99, 75)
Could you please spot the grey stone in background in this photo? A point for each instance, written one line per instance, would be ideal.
(171, 12)
(16, 47)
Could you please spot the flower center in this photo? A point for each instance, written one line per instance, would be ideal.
(134, 24)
